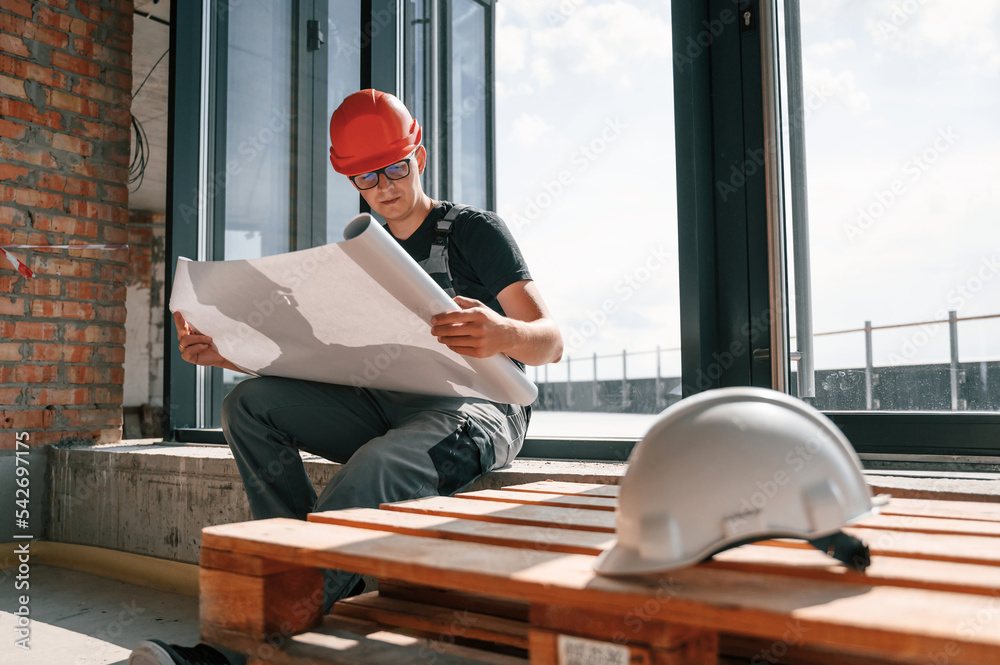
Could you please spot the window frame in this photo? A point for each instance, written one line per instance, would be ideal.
(726, 275)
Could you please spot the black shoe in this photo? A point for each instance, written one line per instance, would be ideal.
(155, 652)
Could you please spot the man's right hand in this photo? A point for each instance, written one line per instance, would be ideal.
(197, 348)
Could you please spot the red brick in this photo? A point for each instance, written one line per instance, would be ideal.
(93, 417)
(48, 265)
(40, 158)
(115, 314)
(89, 210)
(35, 199)
(116, 195)
(83, 28)
(95, 334)
(45, 76)
(115, 234)
(46, 35)
(78, 290)
(66, 102)
(38, 286)
(108, 394)
(61, 309)
(76, 354)
(113, 273)
(11, 130)
(93, 12)
(12, 44)
(111, 354)
(35, 330)
(120, 116)
(119, 80)
(35, 419)
(74, 396)
(71, 143)
(15, 108)
(45, 353)
(93, 89)
(66, 225)
(11, 306)
(58, 4)
(10, 352)
(117, 376)
(10, 396)
(57, 20)
(22, 7)
(76, 65)
(35, 373)
(11, 172)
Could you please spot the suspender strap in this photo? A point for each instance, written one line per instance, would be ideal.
(436, 263)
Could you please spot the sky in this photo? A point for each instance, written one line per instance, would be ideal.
(902, 137)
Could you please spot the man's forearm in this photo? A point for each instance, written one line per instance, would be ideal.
(535, 342)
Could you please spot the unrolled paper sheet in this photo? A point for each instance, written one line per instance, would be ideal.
(355, 313)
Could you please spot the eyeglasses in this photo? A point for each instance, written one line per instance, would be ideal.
(396, 171)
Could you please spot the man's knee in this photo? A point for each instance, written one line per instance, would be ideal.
(246, 399)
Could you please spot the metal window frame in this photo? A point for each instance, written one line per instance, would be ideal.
(726, 277)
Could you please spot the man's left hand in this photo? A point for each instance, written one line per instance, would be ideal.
(475, 330)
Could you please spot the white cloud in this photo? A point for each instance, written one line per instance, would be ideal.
(831, 48)
(842, 87)
(528, 128)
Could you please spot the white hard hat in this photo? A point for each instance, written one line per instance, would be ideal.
(731, 466)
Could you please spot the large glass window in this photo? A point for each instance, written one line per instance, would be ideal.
(343, 77)
(468, 98)
(900, 102)
(258, 125)
(586, 181)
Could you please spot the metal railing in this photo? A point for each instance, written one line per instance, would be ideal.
(625, 389)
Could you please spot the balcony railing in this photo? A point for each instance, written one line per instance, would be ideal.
(896, 386)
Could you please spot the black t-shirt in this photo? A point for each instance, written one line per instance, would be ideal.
(482, 254)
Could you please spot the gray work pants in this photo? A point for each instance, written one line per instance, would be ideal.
(394, 446)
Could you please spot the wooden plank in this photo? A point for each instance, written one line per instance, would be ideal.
(959, 549)
(509, 513)
(260, 606)
(788, 651)
(634, 627)
(329, 644)
(547, 650)
(459, 600)
(454, 528)
(559, 487)
(884, 570)
(801, 560)
(940, 525)
(883, 620)
(241, 563)
(967, 510)
(544, 498)
(433, 619)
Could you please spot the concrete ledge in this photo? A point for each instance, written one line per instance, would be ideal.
(153, 498)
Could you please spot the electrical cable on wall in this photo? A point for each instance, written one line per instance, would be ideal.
(140, 151)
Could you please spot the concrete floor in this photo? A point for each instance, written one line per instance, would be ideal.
(80, 619)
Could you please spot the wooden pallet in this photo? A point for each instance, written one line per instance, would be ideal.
(506, 577)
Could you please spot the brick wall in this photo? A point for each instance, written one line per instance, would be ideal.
(65, 95)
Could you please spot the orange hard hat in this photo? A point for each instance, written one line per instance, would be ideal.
(369, 130)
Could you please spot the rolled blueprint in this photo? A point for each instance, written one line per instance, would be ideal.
(355, 312)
